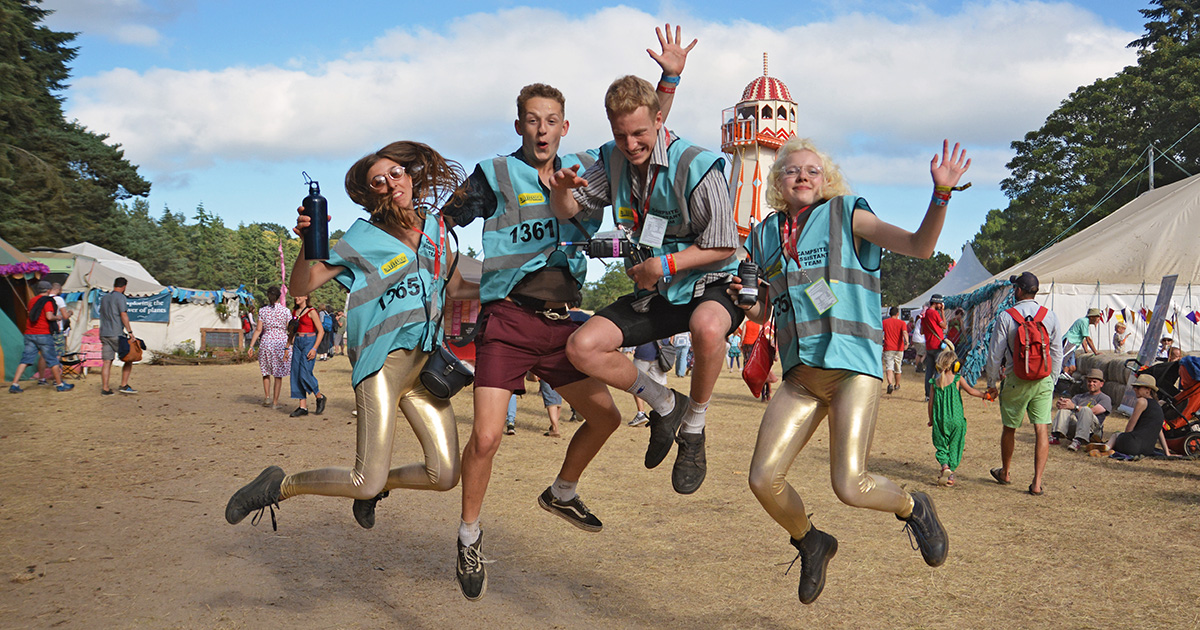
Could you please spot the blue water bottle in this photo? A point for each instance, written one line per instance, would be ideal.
(316, 208)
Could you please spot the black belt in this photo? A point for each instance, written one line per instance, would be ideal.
(538, 307)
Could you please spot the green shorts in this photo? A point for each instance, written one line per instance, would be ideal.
(1019, 397)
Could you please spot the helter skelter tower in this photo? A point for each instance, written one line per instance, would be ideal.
(752, 131)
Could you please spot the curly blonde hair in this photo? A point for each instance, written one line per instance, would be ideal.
(833, 182)
(435, 180)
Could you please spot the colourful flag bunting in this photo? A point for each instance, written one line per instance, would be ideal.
(1193, 317)
(1108, 315)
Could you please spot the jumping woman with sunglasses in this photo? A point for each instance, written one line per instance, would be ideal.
(818, 256)
(395, 265)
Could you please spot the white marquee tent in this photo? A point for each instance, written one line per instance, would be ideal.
(1118, 263)
(96, 268)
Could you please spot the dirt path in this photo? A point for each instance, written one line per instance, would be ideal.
(111, 515)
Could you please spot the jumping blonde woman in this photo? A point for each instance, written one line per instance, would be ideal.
(818, 257)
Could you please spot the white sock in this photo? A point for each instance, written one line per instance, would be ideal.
(468, 533)
(658, 396)
(693, 420)
(563, 490)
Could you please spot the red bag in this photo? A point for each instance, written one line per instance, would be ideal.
(762, 356)
(1031, 354)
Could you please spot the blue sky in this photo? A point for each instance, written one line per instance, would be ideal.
(225, 103)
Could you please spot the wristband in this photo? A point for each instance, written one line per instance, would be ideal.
(665, 90)
(671, 263)
(669, 79)
(666, 267)
(942, 189)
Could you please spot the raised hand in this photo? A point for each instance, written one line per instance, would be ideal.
(566, 178)
(673, 56)
(953, 165)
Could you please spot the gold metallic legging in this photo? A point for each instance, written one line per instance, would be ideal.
(808, 394)
(377, 398)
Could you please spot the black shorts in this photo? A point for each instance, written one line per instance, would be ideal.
(663, 318)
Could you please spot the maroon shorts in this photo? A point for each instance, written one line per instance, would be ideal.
(513, 340)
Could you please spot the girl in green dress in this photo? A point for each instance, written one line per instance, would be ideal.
(946, 415)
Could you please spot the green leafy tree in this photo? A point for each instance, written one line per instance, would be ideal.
(1089, 157)
(58, 181)
(612, 285)
(902, 278)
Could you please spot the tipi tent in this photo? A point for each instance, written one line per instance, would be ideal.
(967, 272)
(1118, 263)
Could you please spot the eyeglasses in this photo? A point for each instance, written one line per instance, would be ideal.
(793, 172)
(379, 182)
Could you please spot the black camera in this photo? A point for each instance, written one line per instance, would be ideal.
(615, 244)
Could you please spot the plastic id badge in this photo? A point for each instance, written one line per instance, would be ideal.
(653, 231)
(821, 296)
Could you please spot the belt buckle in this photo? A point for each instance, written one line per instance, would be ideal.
(553, 316)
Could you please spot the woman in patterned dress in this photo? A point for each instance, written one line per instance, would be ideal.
(274, 354)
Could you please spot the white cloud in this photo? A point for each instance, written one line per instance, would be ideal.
(132, 22)
(878, 94)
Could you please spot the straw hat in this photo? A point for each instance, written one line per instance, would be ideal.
(1094, 312)
(1096, 374)
(1145, 380)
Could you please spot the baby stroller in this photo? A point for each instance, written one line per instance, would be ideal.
(1181, 405)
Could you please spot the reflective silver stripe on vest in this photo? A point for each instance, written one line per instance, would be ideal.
(376, 285)
(511, 217)
(511, 261)
(827, 325)
(679, 186)
(391, 324)
(585, 160)
(838, 272)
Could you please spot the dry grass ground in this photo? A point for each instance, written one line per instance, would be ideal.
(111, 516)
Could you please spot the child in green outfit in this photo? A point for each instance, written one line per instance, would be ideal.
(946, 415)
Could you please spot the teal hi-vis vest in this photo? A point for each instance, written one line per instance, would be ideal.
(686, 166)
(848, 336)
(523, 235)
(395, 298)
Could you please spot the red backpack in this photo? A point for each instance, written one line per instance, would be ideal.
(1031, 353)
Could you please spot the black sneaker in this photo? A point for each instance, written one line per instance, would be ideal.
(573, 511)
(472, 576)
(690, 463)
(926, 531)
(890, 390)
(364, 511)
(260, 494)
(106, 392)
(321, 404)
(663, 430)
(816, 549)
(298, 412)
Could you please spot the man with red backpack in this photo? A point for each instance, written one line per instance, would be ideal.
(1026, 342)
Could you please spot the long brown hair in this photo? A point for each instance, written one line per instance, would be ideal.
(435, 180)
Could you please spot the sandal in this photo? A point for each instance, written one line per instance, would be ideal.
(950, 480)
(997, 474)
(552, 434)
(1039, 492)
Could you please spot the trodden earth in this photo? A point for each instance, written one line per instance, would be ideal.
(112, 516)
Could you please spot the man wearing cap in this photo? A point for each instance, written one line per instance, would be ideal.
(1083, 415)
(1019, 397)
(1079, 334)
(933, 326)
(39, 339)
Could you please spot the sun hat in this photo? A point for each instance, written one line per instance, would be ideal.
(1145, 380)
(1095, 373)
(1094, 312)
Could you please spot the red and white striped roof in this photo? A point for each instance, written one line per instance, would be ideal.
(766, 88)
